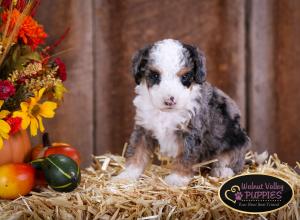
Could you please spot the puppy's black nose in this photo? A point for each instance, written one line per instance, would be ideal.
(170, 101)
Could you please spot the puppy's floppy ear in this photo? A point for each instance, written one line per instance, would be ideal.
(139, 62)
(198, 60)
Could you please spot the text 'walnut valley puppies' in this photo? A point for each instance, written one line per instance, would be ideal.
(189, 119)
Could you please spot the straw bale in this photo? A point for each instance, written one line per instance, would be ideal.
(98, 197)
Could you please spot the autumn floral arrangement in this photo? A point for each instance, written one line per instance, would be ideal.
(31, 78)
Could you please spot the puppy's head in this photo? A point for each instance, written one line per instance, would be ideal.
(169, 70)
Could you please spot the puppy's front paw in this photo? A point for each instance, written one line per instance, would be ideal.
(130, 173)
(222, 172)
(177, 180)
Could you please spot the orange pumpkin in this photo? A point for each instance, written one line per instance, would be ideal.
(16, 148)
(46, 149)
(39, 150)
(16, 179)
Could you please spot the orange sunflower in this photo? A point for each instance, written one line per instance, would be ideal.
(31, 33)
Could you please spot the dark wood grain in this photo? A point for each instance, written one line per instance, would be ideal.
(287, 66)
(122, 27)
(252, 54)
(261, 82)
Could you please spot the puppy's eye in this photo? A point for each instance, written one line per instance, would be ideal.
(154, 75)
(153, 78)
(186, 79)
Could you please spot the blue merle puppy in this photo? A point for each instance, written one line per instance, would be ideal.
(177, 110)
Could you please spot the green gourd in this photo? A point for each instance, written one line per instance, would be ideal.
(61, 172)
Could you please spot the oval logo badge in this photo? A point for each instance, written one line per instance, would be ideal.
(255, 193)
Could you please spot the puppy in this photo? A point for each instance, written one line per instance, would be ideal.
(176, 109)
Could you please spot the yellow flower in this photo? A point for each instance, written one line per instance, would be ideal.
(59, 91)
(4, 126)
(32, 112)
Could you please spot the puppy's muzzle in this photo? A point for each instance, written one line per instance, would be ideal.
(170, 101)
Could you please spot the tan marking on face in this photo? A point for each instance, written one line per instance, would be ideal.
(191, 86)
(183, 71)
(155, 69)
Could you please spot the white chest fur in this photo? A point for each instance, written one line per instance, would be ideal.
(162, 124)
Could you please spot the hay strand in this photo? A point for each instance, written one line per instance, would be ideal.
(148, 198)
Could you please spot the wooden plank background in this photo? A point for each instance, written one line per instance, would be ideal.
(252, 54)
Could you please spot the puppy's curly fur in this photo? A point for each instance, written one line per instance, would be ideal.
(189, 119)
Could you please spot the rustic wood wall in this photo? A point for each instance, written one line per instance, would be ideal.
(252, 54)
(274, 76)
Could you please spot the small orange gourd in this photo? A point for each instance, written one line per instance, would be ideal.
(16, 148)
